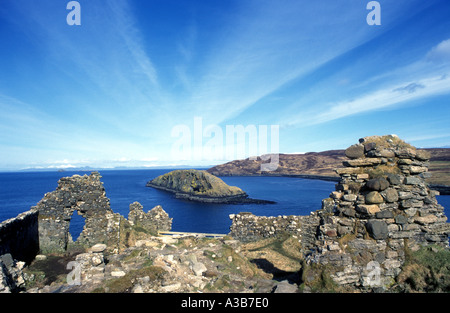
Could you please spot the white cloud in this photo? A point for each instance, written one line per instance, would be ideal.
(440, 53)
(381, 99)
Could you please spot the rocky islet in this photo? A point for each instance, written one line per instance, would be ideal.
(201, 186)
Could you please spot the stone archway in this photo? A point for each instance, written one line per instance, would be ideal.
(85, 195)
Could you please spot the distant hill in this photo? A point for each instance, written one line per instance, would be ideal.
(321, 165)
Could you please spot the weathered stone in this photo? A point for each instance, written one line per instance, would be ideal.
(199, 268)
(390, 195)
(411, 180)
(363, 162)
(328, 205)
(424, 220)
(362, 176)
(417, 169)
(384, 214)
(355, 151)
(86, 195)
(336, 195)
(285, 287)
(377, 229)
(153, 221)
(423, 155)
(350, 212)
(368, 209)
(387, 153)
(370, 146)
(374, 197)
(406, 153)
(401, 219)
(395, 179)
(98, 248)
(350, 197)
(378, 184)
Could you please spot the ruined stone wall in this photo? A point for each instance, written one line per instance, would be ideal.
(381, 209)
(19, 236)
(247, 227)
(153, 221)
(87, 196)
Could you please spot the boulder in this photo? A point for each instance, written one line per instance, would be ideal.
(390, 195)
(368, 209)
(374, 197)
(377, 229)
(395, 179)
(423, 155)
(355, 151)
(378, 184)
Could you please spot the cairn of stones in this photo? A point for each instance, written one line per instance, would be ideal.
(381, 208)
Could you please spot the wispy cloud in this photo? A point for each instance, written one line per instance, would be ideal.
(392, 92)
(440, 53)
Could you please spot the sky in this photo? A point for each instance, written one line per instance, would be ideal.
(146, 83)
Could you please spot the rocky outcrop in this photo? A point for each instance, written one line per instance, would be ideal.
(201, 186)
(381, 209)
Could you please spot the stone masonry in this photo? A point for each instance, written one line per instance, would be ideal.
(86, 195)
(382, 207)
(153, 221)
(247, 227)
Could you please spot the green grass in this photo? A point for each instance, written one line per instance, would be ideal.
(426, 270)
(125, 284)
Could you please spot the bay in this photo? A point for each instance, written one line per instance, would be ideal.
(294, 196)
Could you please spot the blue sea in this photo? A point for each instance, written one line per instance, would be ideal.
(293, 196)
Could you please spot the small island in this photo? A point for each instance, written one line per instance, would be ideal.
(201, 186)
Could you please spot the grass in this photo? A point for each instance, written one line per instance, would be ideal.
(315, 277)
(383, 142)
(426, 270)
(382, 171)
(125, 284)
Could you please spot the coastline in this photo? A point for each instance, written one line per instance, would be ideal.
(444, 190)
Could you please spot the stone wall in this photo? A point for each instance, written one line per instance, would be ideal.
(19, 236)
(86, 195)
(247, 227)
(381, 209)
(153, 221)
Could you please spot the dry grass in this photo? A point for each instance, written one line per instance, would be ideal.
(388, 141)
(440, 171)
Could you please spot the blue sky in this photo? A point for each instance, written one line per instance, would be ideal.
(111, 91)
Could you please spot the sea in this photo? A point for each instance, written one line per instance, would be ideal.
(19, 191)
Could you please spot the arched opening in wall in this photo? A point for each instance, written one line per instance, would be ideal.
(76, 225)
